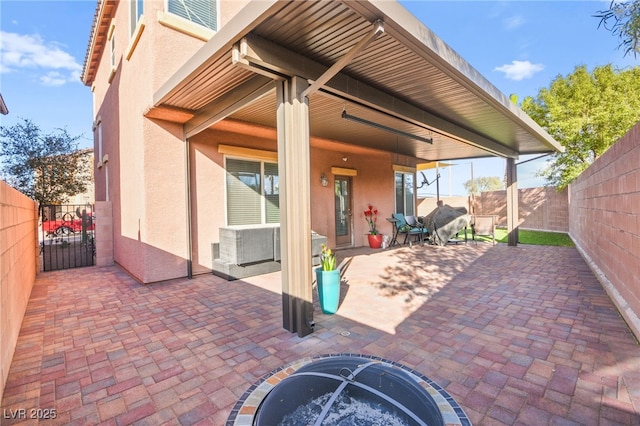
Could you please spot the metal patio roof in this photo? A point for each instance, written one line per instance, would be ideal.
(406, 78)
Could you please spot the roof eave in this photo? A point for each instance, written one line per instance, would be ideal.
(94, 52)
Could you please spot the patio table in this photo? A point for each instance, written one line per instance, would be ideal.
(394, 238)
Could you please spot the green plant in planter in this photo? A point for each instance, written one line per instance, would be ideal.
(327, 259)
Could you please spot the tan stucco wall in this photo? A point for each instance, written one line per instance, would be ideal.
(18, 268)
(604, 222)
(374, 183)
(146, 168)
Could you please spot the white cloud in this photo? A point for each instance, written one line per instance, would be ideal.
(513, 22)
(18, 51)
(519, 70)
(53, 78)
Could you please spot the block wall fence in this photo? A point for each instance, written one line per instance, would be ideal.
(545, 209)
(19, 253)
(604, 219)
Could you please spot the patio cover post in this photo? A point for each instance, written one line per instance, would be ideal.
(295, 205)
(512, 202)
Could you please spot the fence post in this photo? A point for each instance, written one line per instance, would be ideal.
(104, 233)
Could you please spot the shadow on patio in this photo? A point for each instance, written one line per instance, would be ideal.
(520, 335)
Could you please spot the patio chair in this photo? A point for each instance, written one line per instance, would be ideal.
(410, 227)
(418, 230)
(484, 226)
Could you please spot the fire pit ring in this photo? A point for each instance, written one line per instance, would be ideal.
(328, 389)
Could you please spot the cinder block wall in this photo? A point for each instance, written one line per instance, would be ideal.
(18, 267)
(427, 205)
(540, 208)
(104, 233)
(604, 219)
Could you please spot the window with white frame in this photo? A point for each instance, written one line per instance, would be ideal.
(112, 46)
(405, 200)
(253, 191)
(136, 9)
(201, 12)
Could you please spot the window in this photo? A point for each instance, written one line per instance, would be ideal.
(404, 193)
(253, 192)
(99, 128)
(136, 12)
(112, 47)
(202, 12)
(112, 51)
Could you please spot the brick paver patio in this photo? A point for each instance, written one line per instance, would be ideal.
(520, 335)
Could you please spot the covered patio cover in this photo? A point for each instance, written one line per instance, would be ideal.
(300, 67)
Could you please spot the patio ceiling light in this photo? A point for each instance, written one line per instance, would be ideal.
(383, 127)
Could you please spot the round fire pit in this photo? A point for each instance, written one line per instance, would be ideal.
(346, 389)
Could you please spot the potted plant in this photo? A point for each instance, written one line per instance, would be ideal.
(371, 216)
(328, 279)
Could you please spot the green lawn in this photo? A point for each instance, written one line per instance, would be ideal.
(540, 238)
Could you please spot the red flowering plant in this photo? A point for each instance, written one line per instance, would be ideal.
(371, 216)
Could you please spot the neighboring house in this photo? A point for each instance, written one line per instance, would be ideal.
(86, 166)
(88, 196)
(246, 114)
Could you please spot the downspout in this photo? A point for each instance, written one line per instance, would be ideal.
(187, 163)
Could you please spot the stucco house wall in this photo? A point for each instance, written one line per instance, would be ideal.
(146, 172)
(146, 178)
(604, 222)
(372, 184)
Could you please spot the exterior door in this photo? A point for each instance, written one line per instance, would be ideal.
(342, 190)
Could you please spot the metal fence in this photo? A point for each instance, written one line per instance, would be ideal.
(67, 237)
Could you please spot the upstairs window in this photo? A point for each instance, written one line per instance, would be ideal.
(112, 51)
(201, 12)
(136, 9)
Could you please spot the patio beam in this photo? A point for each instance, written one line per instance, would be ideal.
(294, 172)
(264, 56)
(232, 101)
(378, 28)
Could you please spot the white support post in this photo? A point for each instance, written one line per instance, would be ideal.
(512, 202)
(295, 205)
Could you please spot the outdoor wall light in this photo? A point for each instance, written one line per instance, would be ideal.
(383, 127)
(324, 180)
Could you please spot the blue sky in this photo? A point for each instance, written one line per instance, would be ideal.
(519, 46)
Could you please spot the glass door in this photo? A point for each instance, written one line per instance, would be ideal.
(342, 190)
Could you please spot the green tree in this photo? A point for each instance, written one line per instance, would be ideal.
(483, 184)
(623, 20)
(46, 167)
(586, 113)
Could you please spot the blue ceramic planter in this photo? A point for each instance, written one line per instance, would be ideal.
(328, 290)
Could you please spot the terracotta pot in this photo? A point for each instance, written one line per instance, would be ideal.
(375, 241)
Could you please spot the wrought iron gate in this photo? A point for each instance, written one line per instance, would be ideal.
(67, 237)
